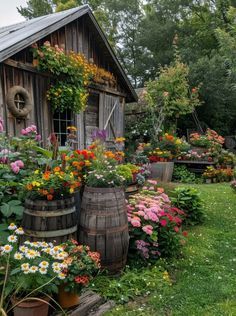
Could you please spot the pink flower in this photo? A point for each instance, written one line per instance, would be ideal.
(153, 182)
(19, 163)
(23, 132)
(148, 229)
(14, 167)
(152, 216)
(176, 228)
(135, 222)
(163, 222)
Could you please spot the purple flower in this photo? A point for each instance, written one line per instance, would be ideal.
(99, 134)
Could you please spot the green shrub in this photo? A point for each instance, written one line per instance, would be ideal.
(188, 200)
(183, 175)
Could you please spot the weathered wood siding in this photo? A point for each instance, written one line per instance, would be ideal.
(79, 36)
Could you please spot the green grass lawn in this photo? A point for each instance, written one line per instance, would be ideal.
(204, 279)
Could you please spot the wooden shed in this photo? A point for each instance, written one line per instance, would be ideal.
(75, 29)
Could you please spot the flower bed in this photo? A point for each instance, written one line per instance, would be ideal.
(155, 226)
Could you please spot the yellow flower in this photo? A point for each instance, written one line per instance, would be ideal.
(119, 139)
(72, 128)
(36, 184)
(87, 163)
(36, 171)
(72, 190)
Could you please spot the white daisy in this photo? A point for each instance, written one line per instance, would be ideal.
(12, 226)
(25, 266)
(33, 269)
(23, 248)
(61, 276)
(18, 256)
(7, 248)
(43, 264)
(57, 269)
(12, 238)
(19, 231)
(43, 270)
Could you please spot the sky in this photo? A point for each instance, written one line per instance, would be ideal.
(8, 12)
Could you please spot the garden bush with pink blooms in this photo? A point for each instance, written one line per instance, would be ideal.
(18, 158)
(155, 226)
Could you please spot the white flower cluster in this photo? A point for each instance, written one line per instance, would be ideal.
(30, 253)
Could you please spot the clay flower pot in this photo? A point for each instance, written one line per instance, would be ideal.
(31, 307)
(67, 299)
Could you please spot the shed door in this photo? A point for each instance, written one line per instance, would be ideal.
(91, 117)
(111, 116)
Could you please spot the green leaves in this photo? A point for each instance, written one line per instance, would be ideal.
(13, 207)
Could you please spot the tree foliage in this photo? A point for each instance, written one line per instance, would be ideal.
(36, 8)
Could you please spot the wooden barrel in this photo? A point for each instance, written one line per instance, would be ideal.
(103, 225)
(162, 171)
(50, 220)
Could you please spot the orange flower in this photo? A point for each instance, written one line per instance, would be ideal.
(49, 197)
(29, 187)
(46, 175)
(57, 169)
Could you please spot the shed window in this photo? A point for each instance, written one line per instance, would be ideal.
(19, 101)
(60, 123)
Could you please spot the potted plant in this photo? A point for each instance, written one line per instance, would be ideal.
(81, 266)
(103, 221)
(161, 166)
(32, 272)
(50, 191)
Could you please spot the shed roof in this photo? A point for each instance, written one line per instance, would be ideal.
(16, 37)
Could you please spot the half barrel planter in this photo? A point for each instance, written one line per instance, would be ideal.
(52, 221)
(162, 170)
(103, 226)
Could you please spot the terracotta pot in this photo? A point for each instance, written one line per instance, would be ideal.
(67, 299)
(31, 307)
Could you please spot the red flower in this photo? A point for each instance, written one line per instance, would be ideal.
(185, 233)
(163, 222)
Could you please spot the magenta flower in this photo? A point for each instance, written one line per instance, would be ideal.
(163, 222)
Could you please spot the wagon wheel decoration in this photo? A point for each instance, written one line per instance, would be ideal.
(19, 102)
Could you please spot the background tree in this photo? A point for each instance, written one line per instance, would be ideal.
(36, 8)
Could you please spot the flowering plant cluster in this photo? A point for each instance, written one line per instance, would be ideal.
(33, 267)
(159, 155)
(82, 266)
(196, 156)
(218, 174)
(210, 139)
(54, 183)
(72, 74)
(18, 159)
(155, 226)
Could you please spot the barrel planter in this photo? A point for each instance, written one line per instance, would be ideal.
(131, 189)
(103, 225)
(162, 171)
(54, 221)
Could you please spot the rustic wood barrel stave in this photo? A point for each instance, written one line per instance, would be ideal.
(103, 225)
(54, 221)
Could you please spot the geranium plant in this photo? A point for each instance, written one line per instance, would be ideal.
(81, 266)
